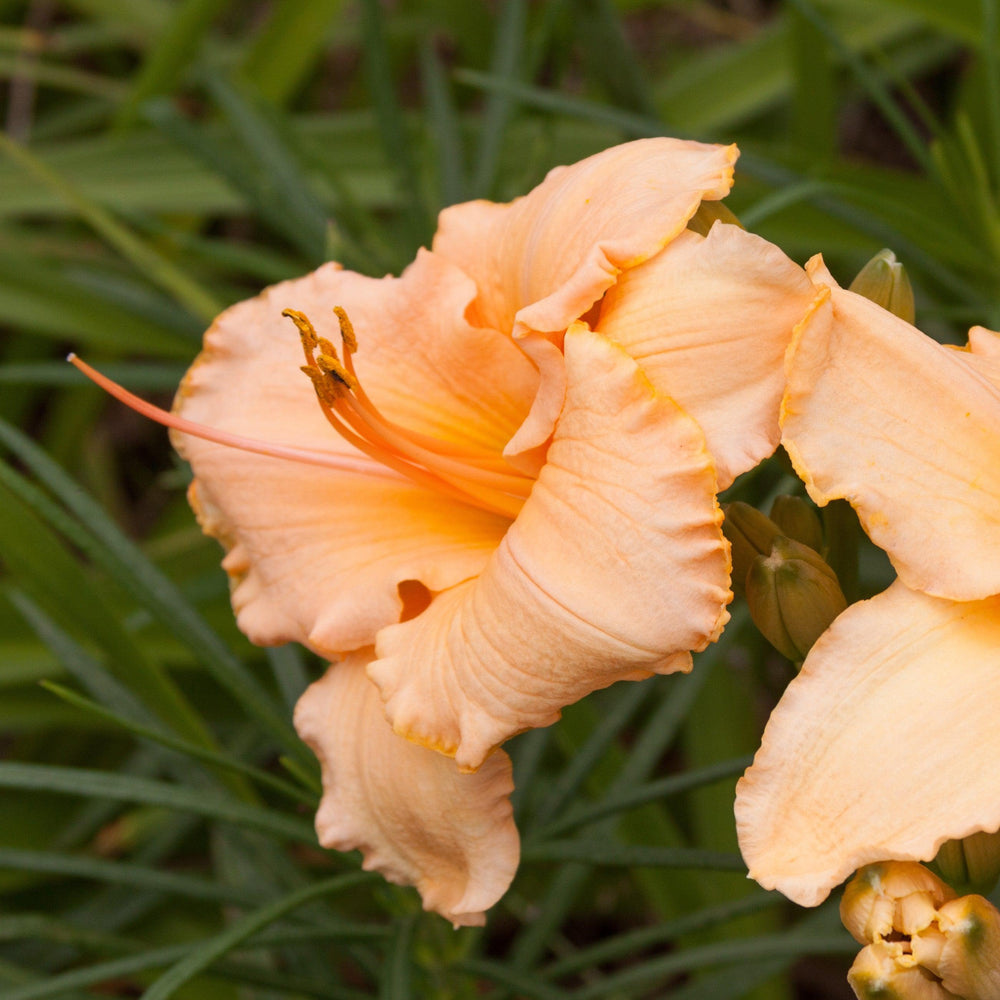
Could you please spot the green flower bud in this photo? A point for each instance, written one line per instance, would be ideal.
(797, 518)
(793, 596)
(969, 965)
(750, 534)
(710, 212)
(884, 280)
(971, 864)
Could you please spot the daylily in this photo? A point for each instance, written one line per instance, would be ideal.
(884, 746)
(505, 493)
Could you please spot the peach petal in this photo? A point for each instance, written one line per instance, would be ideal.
(876, 749)
(414, 817)
(543, 260)
(709, 320)
(313, 555)
(905, 429)
(615, 568)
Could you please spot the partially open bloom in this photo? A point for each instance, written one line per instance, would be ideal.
(501, 495)
(884, 746)
(921, 943)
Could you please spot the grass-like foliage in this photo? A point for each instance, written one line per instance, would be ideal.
(165, 158)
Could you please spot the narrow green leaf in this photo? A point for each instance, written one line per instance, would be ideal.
(639, 795)
(631, 943)
(507, 49)
(394, 135)
(211, 951)
(282, 187)
(61, 77)
(174, 51)
(814, 98)
(142, 256)
(59, 581)
(442, 120)
(522, 984)
(645, 974)
(123, 873)
(152, 377)
(870, 81)
(601, 852)
(125, 788)
(288, 46)
(396, 983)
(630, 698)
(222, 760)
(128, 564)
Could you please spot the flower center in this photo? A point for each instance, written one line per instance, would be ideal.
(483, 480)
(388, 449)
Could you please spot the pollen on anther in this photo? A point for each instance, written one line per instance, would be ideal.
(346, 330)
(306, 330)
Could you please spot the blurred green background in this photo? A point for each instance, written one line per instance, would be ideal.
(164, 158)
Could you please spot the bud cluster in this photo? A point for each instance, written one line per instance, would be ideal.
(921, 942)
(792, 592)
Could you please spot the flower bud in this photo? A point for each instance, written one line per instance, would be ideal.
(797, 518)
(710, 212)
(793, 596)
(879, 974)
(750, 534)
(885, 281)
(921, 942)
(970, 959)
(972, 864)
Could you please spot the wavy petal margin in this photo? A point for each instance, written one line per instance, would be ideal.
(709, 320)
(541, 261)
(881, 748)
(318, 555)
(414, 817)
(905, 429)
(615, 568)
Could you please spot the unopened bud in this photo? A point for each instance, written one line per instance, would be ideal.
(793, 596)
(885, 281)
(970, 959)
(880, 973)
(920, 940)
(751, 534)
(710, 212)
(797, 518)
(971, 864)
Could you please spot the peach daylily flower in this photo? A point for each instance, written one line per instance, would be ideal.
(882, 748)
(505, 495)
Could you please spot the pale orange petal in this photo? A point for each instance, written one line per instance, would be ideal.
(615, 568)
(709, 320)
(316, 555)
(905, 429)
(409, 811)
(880, 748)
(543, 260)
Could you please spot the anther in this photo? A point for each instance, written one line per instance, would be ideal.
(306, 330)
(346, 330)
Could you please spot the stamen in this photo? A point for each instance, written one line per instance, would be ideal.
(354, 416)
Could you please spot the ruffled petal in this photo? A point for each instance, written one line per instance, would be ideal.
(905, 429)
(881, 748)
(317, 555)
(709, 320)
(413, 816)
(615, 568)
(541, 261)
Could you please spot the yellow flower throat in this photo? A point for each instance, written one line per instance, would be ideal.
(482, 480)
